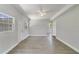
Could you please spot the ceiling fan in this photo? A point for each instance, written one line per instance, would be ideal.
(42, 11)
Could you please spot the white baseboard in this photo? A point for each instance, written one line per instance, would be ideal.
(26, 37)
(14, 46)
(75, 49)
(38, 35)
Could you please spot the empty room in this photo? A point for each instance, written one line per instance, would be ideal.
(39, 28)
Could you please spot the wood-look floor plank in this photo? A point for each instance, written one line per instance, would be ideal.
(41, 45)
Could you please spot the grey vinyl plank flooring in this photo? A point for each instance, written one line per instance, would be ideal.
(41, 45)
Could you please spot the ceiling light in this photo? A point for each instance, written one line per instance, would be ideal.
(42, 12)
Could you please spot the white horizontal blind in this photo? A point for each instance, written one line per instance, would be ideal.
(6, 22)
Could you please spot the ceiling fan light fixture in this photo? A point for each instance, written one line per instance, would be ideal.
(42, 11)
(42, 14)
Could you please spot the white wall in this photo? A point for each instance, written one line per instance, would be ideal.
(67, 27)
(9, 39)
(39, 27)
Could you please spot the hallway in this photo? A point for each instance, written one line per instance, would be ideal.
(41, 45)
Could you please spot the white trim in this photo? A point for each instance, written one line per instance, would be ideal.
(67, 7)
(26, 37)
(13, 46)
(69, 45)
(38, 35)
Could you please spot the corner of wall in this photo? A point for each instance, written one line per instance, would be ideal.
(69, 45)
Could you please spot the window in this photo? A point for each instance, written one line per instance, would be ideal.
(6, 22)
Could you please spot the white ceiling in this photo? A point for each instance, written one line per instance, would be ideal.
(32, 10)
